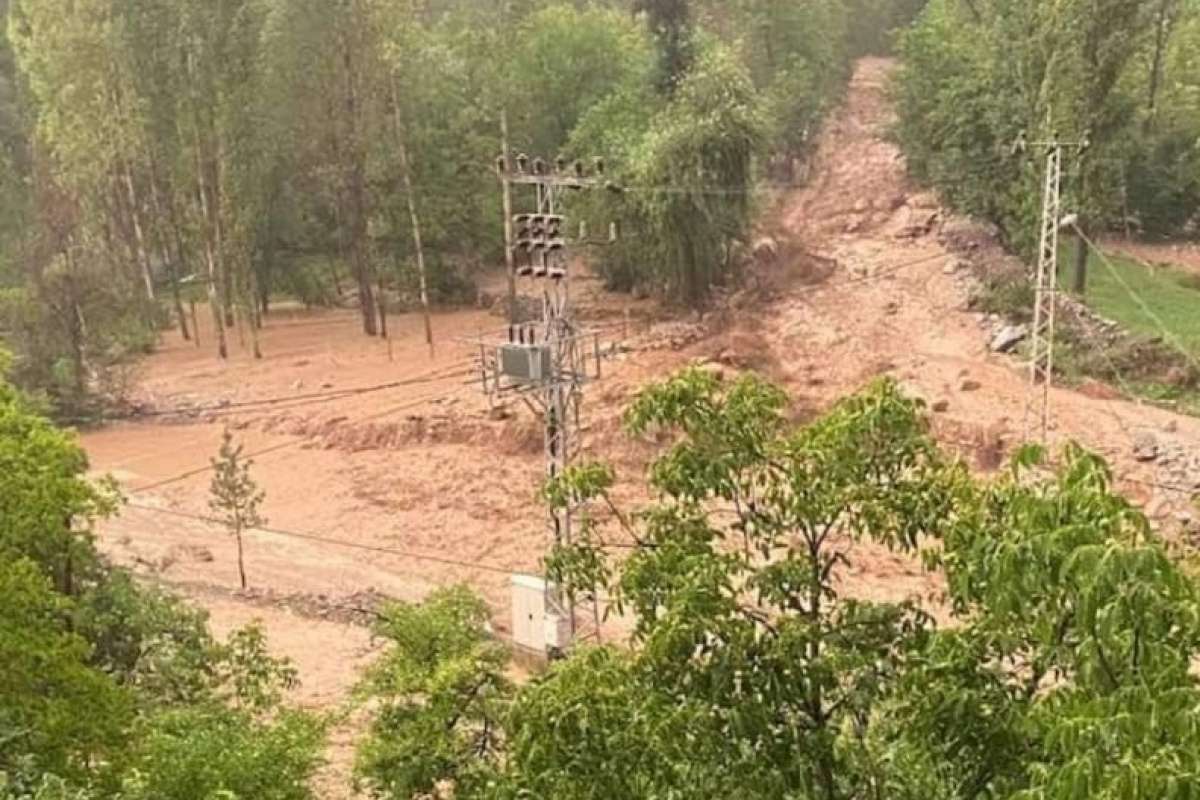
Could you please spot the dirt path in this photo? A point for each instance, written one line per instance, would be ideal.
(906, 315)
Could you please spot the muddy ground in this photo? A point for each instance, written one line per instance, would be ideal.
(404, 489)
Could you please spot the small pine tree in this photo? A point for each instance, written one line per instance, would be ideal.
(234, 497)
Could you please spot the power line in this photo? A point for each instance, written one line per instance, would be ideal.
(321, 539)
(297, 442)
(335, 394)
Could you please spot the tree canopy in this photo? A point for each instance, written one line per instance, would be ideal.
(1061, 667)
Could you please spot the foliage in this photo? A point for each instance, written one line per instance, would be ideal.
(46, 682)
(677, 230)
(110, 690)
(234, 496)
(976, 75)
(439, 692)
(755, 671)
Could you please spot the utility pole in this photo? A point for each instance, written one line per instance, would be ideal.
(548, 363)
(1041, 370)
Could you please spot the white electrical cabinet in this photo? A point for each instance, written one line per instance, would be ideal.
(537, 623)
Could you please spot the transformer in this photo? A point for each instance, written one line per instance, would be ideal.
(525, 363)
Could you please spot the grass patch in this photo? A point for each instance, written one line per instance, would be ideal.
(1172, 296)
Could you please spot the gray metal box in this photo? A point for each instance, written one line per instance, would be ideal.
(525, 363)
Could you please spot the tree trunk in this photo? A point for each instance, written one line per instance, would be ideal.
(206, 214)
(1079, 273)
(241, 559)
(173, 260)
(506, 196)
(402, 148)
(358, 202)
(139, 235)
(1162, 35)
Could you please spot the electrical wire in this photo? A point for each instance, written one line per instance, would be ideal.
(299, 441)
(335, 394)
(322, 539)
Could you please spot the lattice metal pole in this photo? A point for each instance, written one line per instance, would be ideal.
(1041, 373)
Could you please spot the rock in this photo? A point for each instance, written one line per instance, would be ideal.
(941, 406)
(1145, 447)
(1007, 338)
(892, 308)
(1179, 377)
(766, 250)
(970, 385)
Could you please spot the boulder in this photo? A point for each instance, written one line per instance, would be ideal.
(1145, 447)
(1007, 338)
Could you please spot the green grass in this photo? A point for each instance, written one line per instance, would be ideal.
(1172, 296)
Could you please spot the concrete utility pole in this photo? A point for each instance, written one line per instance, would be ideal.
(547, 364)
(1041, 371)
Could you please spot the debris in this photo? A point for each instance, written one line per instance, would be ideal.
(1007, 338)
(1145, 447)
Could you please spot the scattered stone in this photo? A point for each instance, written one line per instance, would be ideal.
(766, 250)
(892, 308)
(1007, 338)
(970, 385)
(1145, 447)
(941, 406)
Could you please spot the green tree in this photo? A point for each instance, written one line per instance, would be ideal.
(57, 714)
(441, 692)
(752, 671)
(234, 496)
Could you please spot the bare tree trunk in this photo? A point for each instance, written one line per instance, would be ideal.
(506, 197)
(357, 189)
(241, 558)
(206, 213)
(173, 260)
(252, 311)
(1079, 280)
(1162, 35)
(139, 235)
(402, 148)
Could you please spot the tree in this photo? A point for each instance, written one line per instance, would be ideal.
(752, 670)
(441, 691)
(671, 23)
(234, 496)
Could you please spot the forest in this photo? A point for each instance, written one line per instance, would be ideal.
(159, 156)
(161, 153)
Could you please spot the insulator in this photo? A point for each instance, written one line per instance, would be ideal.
(522, 163)
(560, 164)
(580, 172)
(556, 245)
(598, 164)
(614, 232)
(521, 219)
(501, 164)
(539, 167)
(557, 272)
